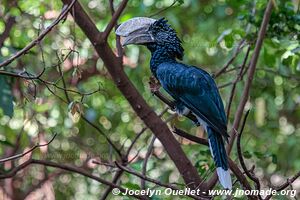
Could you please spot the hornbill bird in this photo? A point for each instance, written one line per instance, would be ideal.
(192, 88)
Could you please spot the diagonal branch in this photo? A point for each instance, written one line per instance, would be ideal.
(143, 177)
(66, 167)
(8, 26)
(114, 19)
(152, 121)
(119, 173)
(118, 38)
(241, 158)
(230, 61)
(49, 177)
(237, 79)
(144, 168)
(245, 95)
(36, 41)
(284, 185)
(190, 137)
(154, 87)
(234, 168)
(27, 152)
(252, 68)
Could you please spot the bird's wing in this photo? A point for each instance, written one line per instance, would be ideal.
(197, 90)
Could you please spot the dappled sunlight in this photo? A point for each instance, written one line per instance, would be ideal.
(81, 115)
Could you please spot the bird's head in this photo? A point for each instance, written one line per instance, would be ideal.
(152, 33)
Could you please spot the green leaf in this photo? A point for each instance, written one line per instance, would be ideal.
(259, 155)
(132, 186)
(269, 58)
(6, 143)
(247, 154)
(229, 41)
(224, 33)
(274, 159)
(6, 99)
(137, 166)
(15, 12)
(180, 2)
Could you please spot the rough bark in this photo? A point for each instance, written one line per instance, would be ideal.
(142, 109)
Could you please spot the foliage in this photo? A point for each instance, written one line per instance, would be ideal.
(6, 100)
(210, 30)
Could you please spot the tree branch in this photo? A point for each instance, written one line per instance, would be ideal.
(284, 185)
(114, 19)
(119, 173)
(252, 67)
(64, 167)
(190, 137)
(144, 168)
(234, 168)
(238, 78)
(49, 177)
(28, 151)
(142, 109)
(33, 43)
(118, 38)
(230, 61)
(143, 177)
(154, 87)
(8, 26)
(245, 95)
(241, 158)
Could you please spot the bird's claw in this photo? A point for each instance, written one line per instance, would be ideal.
(154, 84)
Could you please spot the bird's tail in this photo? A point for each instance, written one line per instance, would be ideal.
(218, 152)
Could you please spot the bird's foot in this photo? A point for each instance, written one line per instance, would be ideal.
(154, 84)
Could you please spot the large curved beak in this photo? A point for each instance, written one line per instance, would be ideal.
(135, 31)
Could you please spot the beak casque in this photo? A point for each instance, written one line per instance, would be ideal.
(135, 31)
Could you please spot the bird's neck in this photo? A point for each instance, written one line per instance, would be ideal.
(160, 54)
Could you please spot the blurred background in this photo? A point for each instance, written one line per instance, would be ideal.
(211, 31)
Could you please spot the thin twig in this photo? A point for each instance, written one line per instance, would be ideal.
(164, 9)
(114, 19)
(284, 185)
(154, 88)
(119, 173)
(128, 170)
(143, 110)
(190, 137)
(118, 38)
(104, 135)
(102, 163)
(69, 168)
(47, 178)
(64, 83)
(89, 122)
(252, 68)
(8, 26)
(20, 74)
(241, 158)
(237, 79)
(36, 41)
(234, 168)
(148, 154)
(231, 60)
(26, 152)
